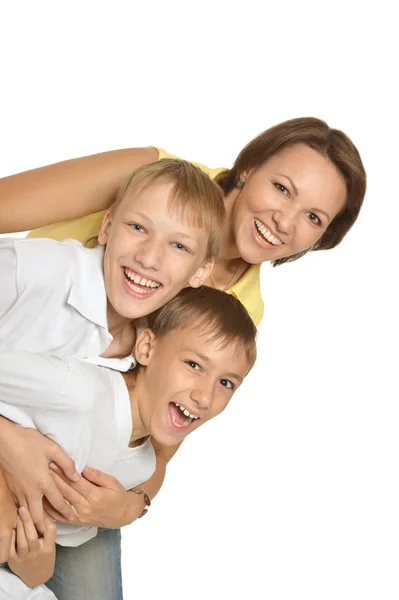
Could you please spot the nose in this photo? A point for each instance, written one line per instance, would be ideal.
(149, 255)
(285, 220)
(202, 395)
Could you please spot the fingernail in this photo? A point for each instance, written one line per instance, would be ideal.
(88, 470)
(23, 511)
(71, 518)
(53, 466)
(75, 476)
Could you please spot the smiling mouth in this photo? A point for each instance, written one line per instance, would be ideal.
(266, 234)
(139, 284)
(181, 416)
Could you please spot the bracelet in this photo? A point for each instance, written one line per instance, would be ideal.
(147, 500)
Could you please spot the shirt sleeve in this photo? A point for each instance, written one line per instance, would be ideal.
(8, 275)
(29, 382)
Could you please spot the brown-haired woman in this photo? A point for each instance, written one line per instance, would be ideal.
(297, 187)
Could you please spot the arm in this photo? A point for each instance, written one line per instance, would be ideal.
(99, 500)
(28, 382)
(32, 558)
(24, 457)
(66, 190)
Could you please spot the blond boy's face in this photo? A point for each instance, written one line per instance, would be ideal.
(188, 379)
(150, 255)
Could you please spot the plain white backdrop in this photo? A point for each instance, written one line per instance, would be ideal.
(293, 491)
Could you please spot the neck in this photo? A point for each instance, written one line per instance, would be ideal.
(116, 323)
(136, 389)
(228, 247)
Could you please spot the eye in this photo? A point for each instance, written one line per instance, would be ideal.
(193, 365)
(281, 188)
(313, 218)
(227, 384)
(136, 227)
(180, 246)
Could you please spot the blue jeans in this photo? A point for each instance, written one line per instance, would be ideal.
(91, 571)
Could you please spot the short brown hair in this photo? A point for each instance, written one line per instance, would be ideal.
(221, 316)
(331, 143)
(197, 199)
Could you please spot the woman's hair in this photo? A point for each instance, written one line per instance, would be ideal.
(331, 143)
(219, 315)
(196, 198)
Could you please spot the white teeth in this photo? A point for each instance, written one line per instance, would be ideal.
(267, 234)
(138, 280)
(186, 413)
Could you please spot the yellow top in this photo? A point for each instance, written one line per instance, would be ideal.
(247, 289)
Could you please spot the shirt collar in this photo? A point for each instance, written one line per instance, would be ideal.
(87, 294)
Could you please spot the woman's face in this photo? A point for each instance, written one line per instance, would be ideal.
(286, 204)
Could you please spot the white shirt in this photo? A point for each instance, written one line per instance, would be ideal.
(53, 300)
(85, 409)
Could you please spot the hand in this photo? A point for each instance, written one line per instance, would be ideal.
(32, 558)
(8, 519)
(97, 500)
(24, 458)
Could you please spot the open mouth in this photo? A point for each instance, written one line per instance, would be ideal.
(139, 284)
(266, 234)
(180, 416)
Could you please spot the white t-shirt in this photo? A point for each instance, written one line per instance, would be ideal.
(53, 300)
(85, 409)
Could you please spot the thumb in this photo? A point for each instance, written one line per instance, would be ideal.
(65, 463)
(100, 478)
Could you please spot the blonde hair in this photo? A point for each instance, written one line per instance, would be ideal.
(219, 315)
(196, 199)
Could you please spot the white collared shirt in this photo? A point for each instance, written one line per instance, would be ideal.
(53, 299)
(84, 408)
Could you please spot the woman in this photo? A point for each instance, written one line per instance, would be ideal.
(297, 187)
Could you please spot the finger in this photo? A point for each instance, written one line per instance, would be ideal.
(100, 478)
(65, 463)
(35, 507)
(74, 493)
(29, 528)
(22, 543)
(51, 530)
(13, 552)
(56, 498)
(54, 514)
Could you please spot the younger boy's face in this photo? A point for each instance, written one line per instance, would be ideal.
(150, 255)
(188, 379)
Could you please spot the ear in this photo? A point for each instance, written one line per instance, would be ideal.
(104, 230)
(245, 174)
(144, 347)
(202, 274)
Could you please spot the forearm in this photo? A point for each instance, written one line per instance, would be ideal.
(66, 190)
(154, 484)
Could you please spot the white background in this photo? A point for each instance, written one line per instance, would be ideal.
(292, 492)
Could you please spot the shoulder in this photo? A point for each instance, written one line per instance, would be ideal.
(211, 171)
(42, 260)
(248, 291)
(86, 384)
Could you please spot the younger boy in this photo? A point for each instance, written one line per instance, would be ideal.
(196, 353)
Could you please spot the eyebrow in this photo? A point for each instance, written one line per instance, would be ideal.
(291, 182)
(206, 359)
(316, 210)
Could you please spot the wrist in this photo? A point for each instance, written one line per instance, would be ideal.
(139, 503)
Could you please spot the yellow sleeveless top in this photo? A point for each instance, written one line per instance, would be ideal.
(247, 289)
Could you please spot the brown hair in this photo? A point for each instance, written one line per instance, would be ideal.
(220, 316)
(331, 143)
(196, 199)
